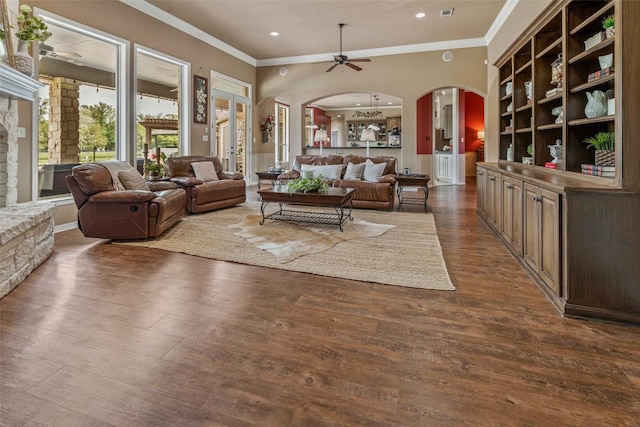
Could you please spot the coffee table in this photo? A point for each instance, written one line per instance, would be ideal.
(340, 199)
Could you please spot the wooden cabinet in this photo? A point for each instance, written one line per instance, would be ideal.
(579, 232)
(355, 128)
(481, 190)
(541, 219)
(494, 200)
(512, 191)
(444, 167)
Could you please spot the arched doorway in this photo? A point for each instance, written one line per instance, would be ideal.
(450, 127)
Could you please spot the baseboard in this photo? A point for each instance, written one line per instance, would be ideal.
(64, 227)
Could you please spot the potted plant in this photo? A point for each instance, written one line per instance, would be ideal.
(30, 29)
(604, 144)
(528, 160)
(608, 24)
(307, 184)
(154, 169)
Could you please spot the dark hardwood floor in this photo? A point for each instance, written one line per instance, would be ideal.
(112, 335)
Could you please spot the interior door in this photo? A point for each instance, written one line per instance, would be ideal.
(231, 131)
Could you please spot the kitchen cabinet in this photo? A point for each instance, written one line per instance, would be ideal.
(494, 200)
(512, 193)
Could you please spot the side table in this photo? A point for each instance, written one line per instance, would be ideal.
(413, 180)
(267, 176)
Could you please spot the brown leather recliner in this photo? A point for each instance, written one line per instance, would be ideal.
(229, 190)
(107, 213)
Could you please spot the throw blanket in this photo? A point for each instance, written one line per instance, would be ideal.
(115, 166)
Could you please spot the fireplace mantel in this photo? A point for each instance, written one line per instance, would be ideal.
(15, 85)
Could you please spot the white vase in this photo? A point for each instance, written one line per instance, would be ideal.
(24, 61)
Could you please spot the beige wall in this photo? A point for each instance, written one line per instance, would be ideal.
(407, 77)
(125, 22)
(524, 13)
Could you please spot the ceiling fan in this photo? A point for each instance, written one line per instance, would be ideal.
(343, 59)
(48, 51)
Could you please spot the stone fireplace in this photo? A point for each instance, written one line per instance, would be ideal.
(26, 229)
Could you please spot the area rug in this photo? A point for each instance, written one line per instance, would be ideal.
(392, 248)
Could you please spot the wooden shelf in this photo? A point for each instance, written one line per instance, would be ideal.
(524, 67)
(506, 114)
(552, 47)
(551, 126)
(507, 79)
(592, 53)
(587, 121)
(506, 97)
(550, 98)
(594, 17)
(592, 84)
(524, 108)
(523, 130)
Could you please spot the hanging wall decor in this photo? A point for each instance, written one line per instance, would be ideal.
(200, 98)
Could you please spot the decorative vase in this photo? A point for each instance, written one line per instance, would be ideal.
(605, 158)
(596, 104)
(265, 136)
(24, 61)
(610, 32)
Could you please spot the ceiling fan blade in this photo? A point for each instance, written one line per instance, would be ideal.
(350, 65)
(360, 60)
(332, 67)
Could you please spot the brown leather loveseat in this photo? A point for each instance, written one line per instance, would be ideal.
(216, 190)
(115, 202)
(372, 192)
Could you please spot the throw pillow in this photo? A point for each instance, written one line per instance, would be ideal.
(373, 171)
(354, 172)
(132, 180)
(204, 171)
(327, 171)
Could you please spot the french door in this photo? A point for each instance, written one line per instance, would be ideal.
(230, 131)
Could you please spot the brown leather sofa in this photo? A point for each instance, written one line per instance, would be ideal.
(228, 190)
(108, 213)
(379, 194)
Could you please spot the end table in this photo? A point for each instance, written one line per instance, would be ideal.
(267, 176)
(412, 180)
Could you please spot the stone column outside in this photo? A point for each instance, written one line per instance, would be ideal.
(64, 118)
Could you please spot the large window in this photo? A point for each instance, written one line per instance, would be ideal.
(83, 108)
(162, 100)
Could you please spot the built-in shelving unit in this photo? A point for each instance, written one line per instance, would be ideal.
(576, 234)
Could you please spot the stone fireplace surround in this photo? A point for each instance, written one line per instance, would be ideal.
(26, 229)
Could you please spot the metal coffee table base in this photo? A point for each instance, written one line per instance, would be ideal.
(314, 217)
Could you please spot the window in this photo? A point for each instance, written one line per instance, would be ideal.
(281, 134)
(162, 103)
(83, 108)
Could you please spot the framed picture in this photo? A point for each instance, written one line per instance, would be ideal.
(200, 99)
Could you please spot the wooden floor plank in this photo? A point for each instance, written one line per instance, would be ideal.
(104, 334)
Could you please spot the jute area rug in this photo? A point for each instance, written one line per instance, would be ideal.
(392, 248)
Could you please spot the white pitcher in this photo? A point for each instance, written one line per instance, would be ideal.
(596, 104)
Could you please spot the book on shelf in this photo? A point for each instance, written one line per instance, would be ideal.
(508, 128)
(600, 74)
(554, 91)
(597, 170)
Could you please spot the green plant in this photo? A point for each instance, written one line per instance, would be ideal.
(307, 184)
(530, 149)
(608, 22)
(30, 28)
(602, 141)
(154, 167)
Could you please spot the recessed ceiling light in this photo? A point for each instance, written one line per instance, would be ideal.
(358, 104)
(274, 33)
(420, 15)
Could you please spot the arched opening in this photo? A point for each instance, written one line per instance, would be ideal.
(450, 127)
